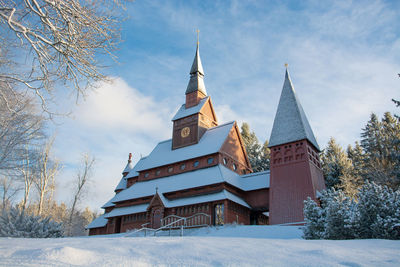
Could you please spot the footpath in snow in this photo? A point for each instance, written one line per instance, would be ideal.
(226, 246)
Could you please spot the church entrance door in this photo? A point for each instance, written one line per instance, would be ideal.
(157, 216)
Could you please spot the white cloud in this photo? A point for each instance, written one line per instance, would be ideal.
(114, 120)
(117, 106)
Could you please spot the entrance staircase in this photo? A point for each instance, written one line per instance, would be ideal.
(173, 225)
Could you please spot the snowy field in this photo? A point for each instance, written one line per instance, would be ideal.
(228, 246)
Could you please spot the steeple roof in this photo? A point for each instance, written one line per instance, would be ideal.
(196, 82)
(290, 123)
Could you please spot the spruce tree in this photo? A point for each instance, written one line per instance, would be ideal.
(381, 145)
(338, 211)
(315, 220)
(338, 169)
(258, 155)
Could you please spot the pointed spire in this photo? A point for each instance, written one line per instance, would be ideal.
(197, 66)
(290, 123)
(196, 82)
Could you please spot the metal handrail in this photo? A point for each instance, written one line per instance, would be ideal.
(169, 225)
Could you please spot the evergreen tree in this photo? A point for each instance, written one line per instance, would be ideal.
(338, 210)
(357, 157)
(338, 169)
(315, 220)
(379, 211)
(373, 215)
(16, 223)
(381, 145)
(258, 156)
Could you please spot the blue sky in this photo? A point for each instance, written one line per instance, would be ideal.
(343, 59)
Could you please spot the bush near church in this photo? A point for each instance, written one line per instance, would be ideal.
(373, 213)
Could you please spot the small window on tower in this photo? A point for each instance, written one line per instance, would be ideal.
(225, 161)
(196, 163)
(234, 166)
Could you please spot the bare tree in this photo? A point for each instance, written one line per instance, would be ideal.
(20, 124)
(83, 176)
(45, 181)
(8, 189)
(28, 171)
(62, 41)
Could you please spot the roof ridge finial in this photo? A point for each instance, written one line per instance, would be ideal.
(198, 37)
(286, 65)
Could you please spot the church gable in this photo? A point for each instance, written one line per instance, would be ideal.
(233, 146)
(156, 201)
(208, 111)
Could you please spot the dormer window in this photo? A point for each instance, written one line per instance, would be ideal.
(170, 169)
(183, 166)
(196, 164)
(146, 175)
(158, 172)
(210, 161)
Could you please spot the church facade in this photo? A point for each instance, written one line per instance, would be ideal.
(202, 176)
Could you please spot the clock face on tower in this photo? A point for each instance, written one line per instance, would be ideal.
(185, 132)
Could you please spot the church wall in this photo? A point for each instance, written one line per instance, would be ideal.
(165, 171)
(98, 231)
(258, 199)
(236, 213)
(294, 172)
(133, 221)
(195, 191)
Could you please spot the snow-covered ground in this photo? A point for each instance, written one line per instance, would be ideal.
(227, 246)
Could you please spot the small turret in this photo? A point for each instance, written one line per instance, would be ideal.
(128, 167)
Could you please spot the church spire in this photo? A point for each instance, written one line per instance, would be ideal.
(196, 82)
(290, 123)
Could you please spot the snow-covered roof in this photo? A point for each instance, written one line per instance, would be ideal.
(163, 154)
(127, 210)
(138, 165)
(100, 221)
(184, 112)
(108, 204)
(128, 167)
(290, 123)
(254, 181)
(224, 194)
(204, 198)
(121, 185)
(187, 180)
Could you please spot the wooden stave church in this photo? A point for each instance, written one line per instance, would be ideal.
(204, 169)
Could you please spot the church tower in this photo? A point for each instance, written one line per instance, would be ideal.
(197, 114)
(295, 165)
